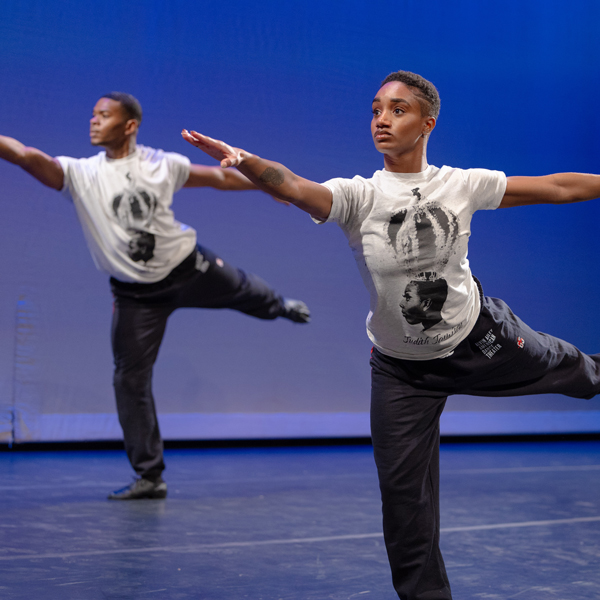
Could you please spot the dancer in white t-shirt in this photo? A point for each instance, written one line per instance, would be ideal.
(123, 199)
(434, 333)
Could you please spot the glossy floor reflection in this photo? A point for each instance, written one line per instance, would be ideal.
(519, 521)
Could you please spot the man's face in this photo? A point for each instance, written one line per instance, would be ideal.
(414, 310)
(397, 125)
(109, 124)
(141, 246)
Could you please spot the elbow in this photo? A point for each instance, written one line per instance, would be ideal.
(21, 158)
(26, 158)
(565, 196)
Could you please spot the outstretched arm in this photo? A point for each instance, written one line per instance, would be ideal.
(560, 188)
(44, 168)
(220, 179)
(269, 176)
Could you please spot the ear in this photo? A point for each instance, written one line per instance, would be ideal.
(426, 304)
(131, 127)
(428, 125)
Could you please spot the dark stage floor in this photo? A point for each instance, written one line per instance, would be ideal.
(520, 520)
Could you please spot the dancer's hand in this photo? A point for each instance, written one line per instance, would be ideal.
(224, 153)
(271, 177)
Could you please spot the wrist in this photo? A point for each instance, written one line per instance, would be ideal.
(249, 159)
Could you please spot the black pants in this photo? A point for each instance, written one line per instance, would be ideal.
(502, 356)
(139, 320)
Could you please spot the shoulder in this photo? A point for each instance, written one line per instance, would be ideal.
(473, 176)
(485, 187)
(156, 155)
(96, 158)
(478, 173)
(146, 153)
(447, 173)
(345, 189)
(87, 164)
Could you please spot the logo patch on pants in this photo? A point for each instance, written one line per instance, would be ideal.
(202, 265)
(520, 342)
(487, 345)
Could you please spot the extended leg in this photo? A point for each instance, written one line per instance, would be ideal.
(405, 433)
(137, 331)
(217, 284)
(505, 357)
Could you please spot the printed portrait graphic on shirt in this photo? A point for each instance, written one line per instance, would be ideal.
(423, 237)
(141, 246)
(423, 300)
(134, 210)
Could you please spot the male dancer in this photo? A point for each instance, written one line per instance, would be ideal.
(123, 199)
(407, 225)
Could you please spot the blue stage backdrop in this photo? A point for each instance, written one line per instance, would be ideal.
(292, 81)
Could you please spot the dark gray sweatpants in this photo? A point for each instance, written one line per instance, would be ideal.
(139, 321)
(502, 356)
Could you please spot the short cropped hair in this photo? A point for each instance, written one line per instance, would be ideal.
(436, 291)
(426, 92)
(131, 106)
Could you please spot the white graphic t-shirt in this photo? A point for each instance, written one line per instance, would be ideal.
(124, 207)
(409, 235)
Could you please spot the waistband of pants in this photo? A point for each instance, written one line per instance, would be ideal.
(186, 266)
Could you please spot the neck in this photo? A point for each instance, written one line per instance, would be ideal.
(409, 162)
(122, 149)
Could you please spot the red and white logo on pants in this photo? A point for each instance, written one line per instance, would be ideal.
(520, 342)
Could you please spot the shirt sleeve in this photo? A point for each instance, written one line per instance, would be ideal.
(179, 167)
(486, 188)
(73, 176)
(346, 198)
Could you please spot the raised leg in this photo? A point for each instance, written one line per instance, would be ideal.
(503, 356)
(217, 284)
